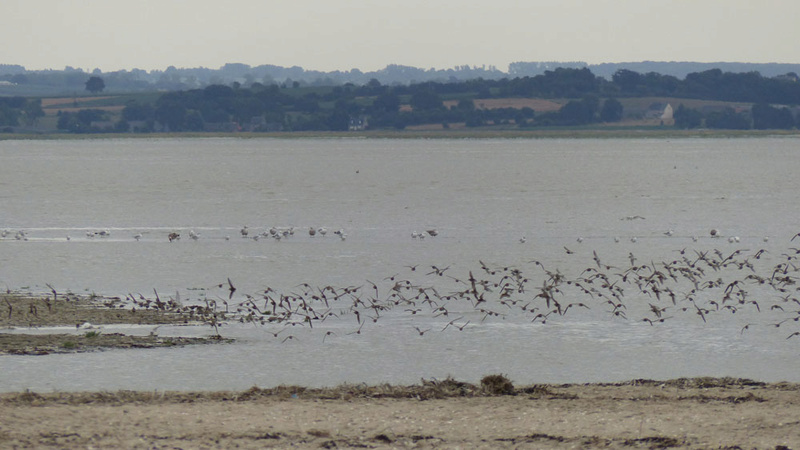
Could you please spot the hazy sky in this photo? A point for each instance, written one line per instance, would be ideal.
(369, 34)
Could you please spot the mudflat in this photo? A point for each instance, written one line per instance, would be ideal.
(84, 313)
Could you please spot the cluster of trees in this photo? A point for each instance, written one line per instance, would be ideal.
(15, 111)
(712, 85)
(708, 85)
(583, 112)
(761, 116)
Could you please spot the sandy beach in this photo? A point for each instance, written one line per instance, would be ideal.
(686, 413)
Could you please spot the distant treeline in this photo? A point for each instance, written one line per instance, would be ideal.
(17, 80)
(373, 105)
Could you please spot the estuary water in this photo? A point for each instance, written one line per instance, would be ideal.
(94, 216)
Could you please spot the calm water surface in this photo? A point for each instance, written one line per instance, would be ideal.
(482, 196)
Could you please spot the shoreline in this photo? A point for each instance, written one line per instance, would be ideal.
(546, 133)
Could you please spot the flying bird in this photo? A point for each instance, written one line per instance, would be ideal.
(231, 289)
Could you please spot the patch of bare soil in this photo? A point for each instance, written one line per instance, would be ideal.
(537, 104)
(49, 102)
(686, 413)
(52, 111)
(83, 313)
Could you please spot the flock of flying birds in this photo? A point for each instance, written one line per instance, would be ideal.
(693, 284)
(273, 232)
(697, 283)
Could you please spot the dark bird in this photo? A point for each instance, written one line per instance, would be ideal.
(358, 331)
(231, 289)
(452, 322)
(53, 290)
(421, 332)
(437, 271)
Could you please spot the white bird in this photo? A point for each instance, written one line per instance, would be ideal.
(634, 239)
(616, 239)
(523, 240)
(194, 235)
(322, 230)
(669, 232)
(580, 239)
(137, 236)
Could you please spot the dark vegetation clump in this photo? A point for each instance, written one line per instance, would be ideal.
(497, 385)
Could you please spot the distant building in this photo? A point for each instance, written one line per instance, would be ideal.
(666, 116)
(357, 123)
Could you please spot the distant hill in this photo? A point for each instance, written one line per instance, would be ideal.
(681, 69)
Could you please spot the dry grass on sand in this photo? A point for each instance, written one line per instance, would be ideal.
(685, 413)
